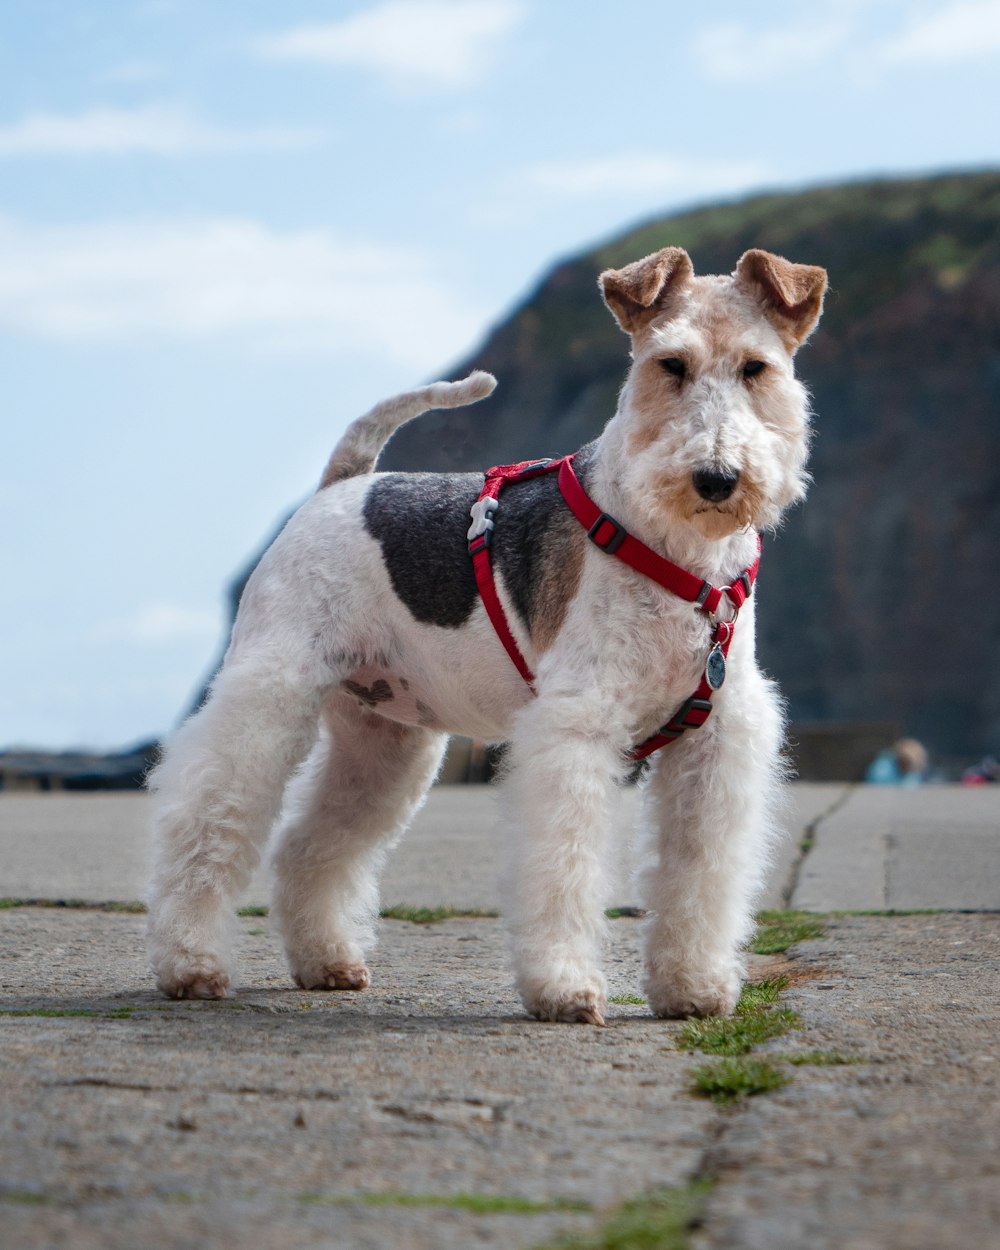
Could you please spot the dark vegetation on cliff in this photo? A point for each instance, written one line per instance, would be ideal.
(880, 596)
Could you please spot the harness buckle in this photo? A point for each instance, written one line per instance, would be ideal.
(677, 724)
(481, 530)
(616, 538)
(533, 467)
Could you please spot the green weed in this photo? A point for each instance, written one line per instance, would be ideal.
(756, 994)
(57, 1013)
(820, 1058)
(433, 915)
(75, 904)
(480, 1204)
(737, 1077)
(662, 1220)
(737, 1034)
(778, 930)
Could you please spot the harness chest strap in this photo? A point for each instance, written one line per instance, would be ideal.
(611, 537)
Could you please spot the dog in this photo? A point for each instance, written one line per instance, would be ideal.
(362, 641)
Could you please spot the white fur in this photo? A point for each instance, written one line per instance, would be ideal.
(320, 610)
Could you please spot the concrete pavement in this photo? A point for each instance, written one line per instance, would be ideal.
(429, 1112)
(870, 848)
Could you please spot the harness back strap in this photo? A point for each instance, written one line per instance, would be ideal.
(480, 541)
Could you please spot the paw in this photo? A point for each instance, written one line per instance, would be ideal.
(200, 977)
(585, 1004)
(683, 996)
(334, 976)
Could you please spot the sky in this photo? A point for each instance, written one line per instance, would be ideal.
(227, 227)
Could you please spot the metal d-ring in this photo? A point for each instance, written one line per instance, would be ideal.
(713, 617)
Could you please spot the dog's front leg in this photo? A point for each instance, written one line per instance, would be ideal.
(562, 763)
(710, 809)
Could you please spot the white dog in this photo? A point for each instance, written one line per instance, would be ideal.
(362, 641)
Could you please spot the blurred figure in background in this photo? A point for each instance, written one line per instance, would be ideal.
(903, 764)
(984, 773)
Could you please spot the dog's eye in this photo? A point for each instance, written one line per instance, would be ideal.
(753, 367)
(674, 366)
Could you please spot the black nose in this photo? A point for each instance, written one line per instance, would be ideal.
(715, 484)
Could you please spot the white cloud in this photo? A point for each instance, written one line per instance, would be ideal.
(197, 279)
(156, 129)
(732, 52)
(442, 43)
(156, 624)
(957, 32)
(641, 173)
(624, 184)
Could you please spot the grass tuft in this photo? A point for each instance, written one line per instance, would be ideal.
(661, 1220)
(479, 1204)
(821, 1058)
(756, 994)
(75, 904)
(736, 1035)
(778, 930)
(57, 1013)
(433, 915)
(728, 1080)
(634, 1000)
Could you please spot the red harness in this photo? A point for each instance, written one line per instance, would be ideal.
(605, 532)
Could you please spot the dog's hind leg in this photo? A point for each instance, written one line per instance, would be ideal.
(360, 788)
(217, 794)
(710, 804)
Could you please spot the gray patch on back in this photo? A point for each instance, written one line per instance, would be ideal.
(421, 522)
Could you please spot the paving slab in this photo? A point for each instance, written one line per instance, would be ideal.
(290, 1119)
(97, 848)
(262, 1119)
(900, 1151)
(888, 848)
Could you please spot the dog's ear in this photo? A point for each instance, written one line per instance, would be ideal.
(637, 293)
(792, 295)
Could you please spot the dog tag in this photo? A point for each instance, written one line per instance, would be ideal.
(715, 668)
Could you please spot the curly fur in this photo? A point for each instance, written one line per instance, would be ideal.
(346, 672)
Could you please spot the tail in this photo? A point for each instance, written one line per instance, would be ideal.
(358, 450)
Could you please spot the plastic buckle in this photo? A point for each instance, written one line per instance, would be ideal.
(618, 535)
(531, 468)
(480, 533)
(679, 721)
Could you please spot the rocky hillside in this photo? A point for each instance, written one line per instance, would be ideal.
(880, 597)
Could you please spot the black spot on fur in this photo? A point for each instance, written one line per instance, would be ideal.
(379, 692)
(421, 522)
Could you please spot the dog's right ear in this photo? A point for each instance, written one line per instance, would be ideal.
(637, 293)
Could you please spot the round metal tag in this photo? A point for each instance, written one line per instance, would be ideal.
(715, 668)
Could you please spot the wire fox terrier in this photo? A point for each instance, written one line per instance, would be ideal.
(368, 634)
